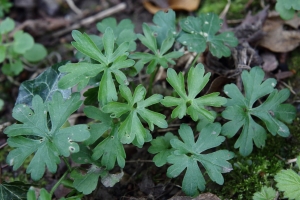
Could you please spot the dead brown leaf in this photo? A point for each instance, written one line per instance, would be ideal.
(270, 61)
(204, 196)
(155, 5)
(276, 38)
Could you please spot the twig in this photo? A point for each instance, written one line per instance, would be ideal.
(74, 7)
(4, 125)
(139, 161)
(289, 161)
(3, 145)
(91, 19)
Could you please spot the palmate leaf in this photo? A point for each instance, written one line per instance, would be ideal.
(187, 153)
(165, 25)
(132, 128)
(34, 134)
(188, 103)
(111, 63)
(239, 110)
(160, 55)
(198, 32)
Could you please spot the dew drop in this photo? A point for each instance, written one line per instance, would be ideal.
(72, 149)
(85, 160)
(79, 158)
(214, 132)
(184, 42)
(273, 84)
(192, 32)
(45, 112)
(86, 77)
(174, 32)
(24, 105)
(11, 162)
(205, 34)
(226, 169)
(225, 92)
(206, 22)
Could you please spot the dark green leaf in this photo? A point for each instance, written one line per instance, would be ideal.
(14, 190)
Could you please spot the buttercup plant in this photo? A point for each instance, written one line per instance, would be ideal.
(126, 113)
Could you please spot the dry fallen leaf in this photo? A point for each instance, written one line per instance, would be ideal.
(155, 5)
(270, 61)
(204, 196)
(276, 38)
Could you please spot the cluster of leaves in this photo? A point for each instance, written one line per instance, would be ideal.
(13, 52)
(121, 116)
(287, 8)
(288, 181)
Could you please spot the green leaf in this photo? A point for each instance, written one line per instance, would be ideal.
(22, 42)
(15, 67)
(87, 183)
(111, 64)
(162, 148)
(14, 190)
(187, 153)
(288, 182)
(198, 32)
(123, 32)
(44, 85)
(239, 110)
(7, 25)
(266, 193)
(35, 134)
(286, 8)
(132, 128)
(2, 53)
(189, 104)
(36, 53)
(110, 150)
(165, 23)
(160, 56)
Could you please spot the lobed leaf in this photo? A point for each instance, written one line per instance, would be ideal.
(240, 111)
(288, 182)
(34, 134)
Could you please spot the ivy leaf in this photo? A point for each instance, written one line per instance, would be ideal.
(110, 63)
(162, 148)
(131, 127)
(45, 85)
(160, 56)
(189, 104)
(165, 23)
(197, 32)
(22, 42)
(239, 110)
(266, 193)
(288, 181)
(34, 134)
(13, 190)
(110, 150)
(124, 31)
(87, 183)
(187, 153)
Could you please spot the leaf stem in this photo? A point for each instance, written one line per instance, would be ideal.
(67, 163)
(195, 59)
(152, 77)
(58, 183)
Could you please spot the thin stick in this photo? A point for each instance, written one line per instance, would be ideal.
(74, 7)
(91, 19)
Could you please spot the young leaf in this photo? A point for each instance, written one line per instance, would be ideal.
(36, 53)
(7, 25)
(187, 153)
(162, 148)
(239, 110)
(132, 128)
(197, 31)
(22, 42)
(266, 193)
(160, 56)
(110, 63)
(188, 103)
(34, 134)
(87, 183)
(45, 85)
(124, 31)
(164, 24)
(288, 181)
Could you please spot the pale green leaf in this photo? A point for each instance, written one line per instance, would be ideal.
(22, 42)
(266, 193)
(288, 182)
